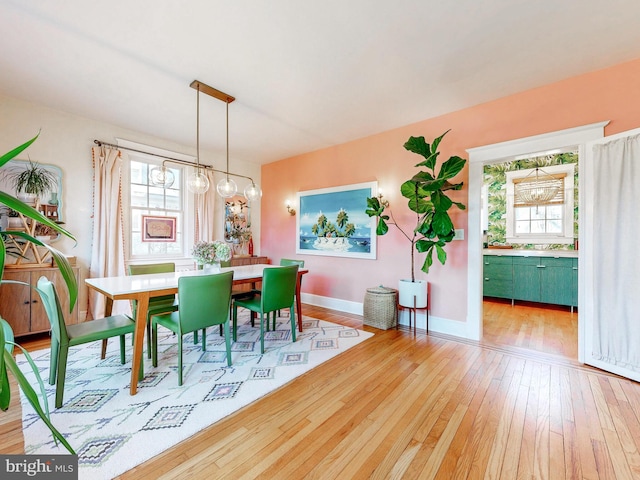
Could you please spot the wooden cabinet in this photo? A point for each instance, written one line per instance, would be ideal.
(22, 307)
(238, 261)
(498, 276)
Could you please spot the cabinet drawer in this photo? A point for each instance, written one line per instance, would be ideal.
(497, 288)
(526, 261)
(498, 272)
(497, 260)
(557, 262)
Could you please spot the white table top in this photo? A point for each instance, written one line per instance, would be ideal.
(129, 284)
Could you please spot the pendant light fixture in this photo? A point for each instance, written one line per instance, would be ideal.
(538, 188)
(198, 182)
(227, 188)
(161, 177)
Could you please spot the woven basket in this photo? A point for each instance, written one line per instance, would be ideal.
(380, 309)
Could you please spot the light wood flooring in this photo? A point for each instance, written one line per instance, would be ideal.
(411, 406)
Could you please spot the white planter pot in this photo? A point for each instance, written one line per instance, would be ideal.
(408, 291)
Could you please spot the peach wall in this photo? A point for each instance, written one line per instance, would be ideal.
(611, 94)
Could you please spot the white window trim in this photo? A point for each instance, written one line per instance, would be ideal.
(567, 214)
(184, 261)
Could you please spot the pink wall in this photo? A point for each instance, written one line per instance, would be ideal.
(611, 94)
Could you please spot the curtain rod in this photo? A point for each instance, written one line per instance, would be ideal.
(171, 159)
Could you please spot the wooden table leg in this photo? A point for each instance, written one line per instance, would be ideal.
(108, 308)
(138, 339)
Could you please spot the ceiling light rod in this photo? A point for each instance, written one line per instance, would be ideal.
(170, 159)
(213, 92)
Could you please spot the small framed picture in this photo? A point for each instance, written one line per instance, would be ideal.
(158, 229)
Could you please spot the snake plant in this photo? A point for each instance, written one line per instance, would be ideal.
(7, 361)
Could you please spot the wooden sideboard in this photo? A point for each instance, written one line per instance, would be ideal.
(22, 307)
(238, 261)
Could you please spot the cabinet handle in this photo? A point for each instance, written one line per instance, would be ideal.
(27, 302)
(486, 279)
(575, 268)
(34, 301)
(541, 266)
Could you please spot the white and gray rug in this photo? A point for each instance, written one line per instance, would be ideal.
(113, 431)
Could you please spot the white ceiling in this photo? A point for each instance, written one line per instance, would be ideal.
(306, 74)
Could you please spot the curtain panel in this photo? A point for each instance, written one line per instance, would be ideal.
(107, 252)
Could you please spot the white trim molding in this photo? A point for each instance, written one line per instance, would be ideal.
(478, 157)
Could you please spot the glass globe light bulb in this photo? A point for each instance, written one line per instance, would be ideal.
(252, 192)
(161, 176)
(197, 183)
(227, 188)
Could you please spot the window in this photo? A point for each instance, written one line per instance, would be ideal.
(549, 223)
(147, 199)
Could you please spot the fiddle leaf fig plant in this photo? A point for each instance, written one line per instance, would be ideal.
(427, 198)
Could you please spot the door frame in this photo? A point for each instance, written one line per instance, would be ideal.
(501, 152)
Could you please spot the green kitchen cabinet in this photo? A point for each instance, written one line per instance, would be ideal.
(546, 279)
(497, 276)
(526, 279)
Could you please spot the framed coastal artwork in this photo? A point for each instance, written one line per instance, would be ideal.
(158, 229)
(332, 222)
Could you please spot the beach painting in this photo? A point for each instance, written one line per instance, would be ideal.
(332, 221)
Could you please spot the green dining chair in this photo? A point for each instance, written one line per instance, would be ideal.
(278, 291)
(161, 304)
(204, 302)
(65, 336)
(291, 261)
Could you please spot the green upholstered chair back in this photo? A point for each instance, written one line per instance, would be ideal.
(204, 300)
(278, 287)
(145, 269)
(51, 304)
(291, 261)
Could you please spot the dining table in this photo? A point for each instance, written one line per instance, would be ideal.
(143, 287)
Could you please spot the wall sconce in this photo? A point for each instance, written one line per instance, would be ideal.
(383, 203)
(292, 211)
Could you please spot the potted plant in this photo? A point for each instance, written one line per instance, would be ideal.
(32, 182)
(426, 192)
(7, 361)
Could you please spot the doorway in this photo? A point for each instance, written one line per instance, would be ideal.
(480, 156)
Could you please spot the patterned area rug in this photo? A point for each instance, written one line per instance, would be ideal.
(113, 431)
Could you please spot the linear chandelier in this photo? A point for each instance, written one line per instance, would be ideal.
(198, 182)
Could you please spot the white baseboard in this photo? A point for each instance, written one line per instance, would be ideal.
(436, 324)
(332, 303)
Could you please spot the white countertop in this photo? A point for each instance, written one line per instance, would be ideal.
(513, 252)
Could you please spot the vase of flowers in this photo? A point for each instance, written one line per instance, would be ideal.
(209, 254)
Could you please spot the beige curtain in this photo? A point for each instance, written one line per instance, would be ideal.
(205, 204)
(107, 255)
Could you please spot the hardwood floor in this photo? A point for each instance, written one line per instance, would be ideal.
(415, 407)
(544, 328)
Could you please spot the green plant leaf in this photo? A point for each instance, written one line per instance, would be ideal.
(418, 145)
(3, 256)
(16, 151)
(451, 167)
(382, 227)
(5, 389)
(30, 212)
(32, 397)
(442, 224)
(436, 142)
(441, 202)
(442, 255)
(428, 261)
